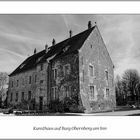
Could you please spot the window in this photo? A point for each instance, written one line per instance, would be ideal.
(67, 90)
(91, 70)
(66, 48)
(83, 75)
(91, 46)
(67, 69)
(35, 78)
(107, 92)
(22, 66)
(54, 91)
(16, 97)
(54, 73)
(41, 81)
(41, 67)
(22, 81)
(29, 79)
(112, 82)
(82, 60)
(22, 96)
(29, 95)
(106, 75)
(11, 97)
(17, 83)
(12, 84)
(91, 91)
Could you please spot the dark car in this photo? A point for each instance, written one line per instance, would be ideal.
(8, 111)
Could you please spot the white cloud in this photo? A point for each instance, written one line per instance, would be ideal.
(20, 34)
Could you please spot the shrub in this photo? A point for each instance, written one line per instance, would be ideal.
(56, 106)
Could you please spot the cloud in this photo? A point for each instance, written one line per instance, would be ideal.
(20, 34)
(120, 33)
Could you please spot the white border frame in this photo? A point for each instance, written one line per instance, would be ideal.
(117, 127)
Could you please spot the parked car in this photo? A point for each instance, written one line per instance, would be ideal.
(8, 111)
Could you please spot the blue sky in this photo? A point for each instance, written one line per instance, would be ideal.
(20, 34)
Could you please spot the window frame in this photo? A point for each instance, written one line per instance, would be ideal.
(41, 81)
(68, 91)
(106, 75)
(23, 81)
(54, 73)
(29, 95)
(35, 78)
(83, 75)
(16, 99)
(22, 96)
(107, 92)
(92, 92)
(17, 83)
(12, 83)
(11, 97)
(41, 67)
(54, 92)
(30, 79)
(91, 74)
(68, 69)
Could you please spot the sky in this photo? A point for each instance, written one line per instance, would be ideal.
(21, 34)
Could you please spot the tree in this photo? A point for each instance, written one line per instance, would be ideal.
(131, 84)
(120, 95)
(3, 85)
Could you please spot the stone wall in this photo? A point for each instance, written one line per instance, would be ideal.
(94, 53)
(66, 82)
(38, 85)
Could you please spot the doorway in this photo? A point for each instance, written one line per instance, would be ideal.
(40, 103)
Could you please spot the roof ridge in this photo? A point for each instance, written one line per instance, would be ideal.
(75, 43)
(65, 40)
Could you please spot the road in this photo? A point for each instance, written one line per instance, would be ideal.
(115, 113)
(1, 114)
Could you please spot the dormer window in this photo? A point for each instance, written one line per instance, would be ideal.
(39, 59)
(66, 48)
(22, 66)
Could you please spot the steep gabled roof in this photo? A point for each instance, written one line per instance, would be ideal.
(65, 47)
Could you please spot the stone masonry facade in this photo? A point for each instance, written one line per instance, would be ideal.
(87, 72)
(96, 75)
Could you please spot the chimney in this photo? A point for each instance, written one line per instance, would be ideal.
(89, 25)
(70, 32)
(53, 42)
(46, 48)
(35, 51)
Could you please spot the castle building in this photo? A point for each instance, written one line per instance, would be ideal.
(79, 66)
